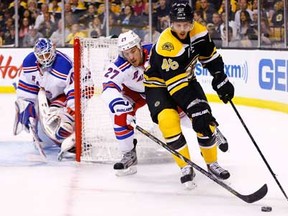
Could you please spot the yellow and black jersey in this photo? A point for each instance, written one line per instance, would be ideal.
(172, 62)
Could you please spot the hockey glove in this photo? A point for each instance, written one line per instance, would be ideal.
(25, 113)
(223, 87)
(125, 119)
(202, 118)
(131, 120)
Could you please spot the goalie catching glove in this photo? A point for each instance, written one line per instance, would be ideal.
(25, 113)
(223, 87)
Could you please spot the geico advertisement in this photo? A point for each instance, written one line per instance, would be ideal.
(254, 73)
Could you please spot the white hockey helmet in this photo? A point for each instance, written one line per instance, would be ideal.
(127, 40)
(45, 52)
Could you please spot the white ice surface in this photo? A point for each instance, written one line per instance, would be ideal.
(30, 187)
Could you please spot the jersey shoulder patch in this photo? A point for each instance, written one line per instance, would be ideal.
(168, 45)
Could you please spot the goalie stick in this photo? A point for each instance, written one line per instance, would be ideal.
(259, 194)
(44, 110)
(37, 143)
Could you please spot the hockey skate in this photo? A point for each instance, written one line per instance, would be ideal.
(187, 177)
(218, 171)
(221, 141)
(126, 166)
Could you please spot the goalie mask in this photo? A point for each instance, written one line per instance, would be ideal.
(127, 40)
(45, 52)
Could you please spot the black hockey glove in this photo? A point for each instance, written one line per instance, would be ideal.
(223, 87)
(201, 118)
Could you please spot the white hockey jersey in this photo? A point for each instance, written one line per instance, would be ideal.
(56, 80)
(120, 73)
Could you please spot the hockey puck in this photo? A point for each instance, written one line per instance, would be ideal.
(266, 208)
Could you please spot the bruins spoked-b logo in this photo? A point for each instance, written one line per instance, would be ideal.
(168, 46)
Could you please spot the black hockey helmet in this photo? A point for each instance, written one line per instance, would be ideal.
(181, 11)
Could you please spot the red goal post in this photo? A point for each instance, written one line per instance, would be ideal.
(78, 120)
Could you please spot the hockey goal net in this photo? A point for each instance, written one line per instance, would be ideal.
(95, 139)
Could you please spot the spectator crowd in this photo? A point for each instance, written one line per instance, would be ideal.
(88, 18)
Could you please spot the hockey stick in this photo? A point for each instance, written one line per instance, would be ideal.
(259, 194)
(37, 142)
(43, 104)
(258, 149)
(44, 111)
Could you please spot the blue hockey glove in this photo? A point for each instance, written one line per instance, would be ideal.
(25, 110)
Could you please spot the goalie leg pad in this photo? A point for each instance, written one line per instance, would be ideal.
(66, 127)
(59, 124)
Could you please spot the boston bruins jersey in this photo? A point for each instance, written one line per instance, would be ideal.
(172, 62)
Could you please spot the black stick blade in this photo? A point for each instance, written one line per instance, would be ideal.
(259, 194)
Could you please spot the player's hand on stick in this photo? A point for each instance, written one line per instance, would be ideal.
(223, 87)
(125, 120)
(25, 111)
(202, 119)
(123, 109)
(131, 120)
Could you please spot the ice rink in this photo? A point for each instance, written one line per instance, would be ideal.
(66, 188)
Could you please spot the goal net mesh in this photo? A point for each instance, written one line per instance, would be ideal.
(98, 142)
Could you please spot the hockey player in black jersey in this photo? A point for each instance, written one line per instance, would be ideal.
(170, 82)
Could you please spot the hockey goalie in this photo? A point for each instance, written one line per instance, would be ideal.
(45, 98)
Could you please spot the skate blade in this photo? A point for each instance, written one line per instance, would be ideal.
(60, 156)
(64, 151)
(66, 155)
(190, 185)
(125, 172)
